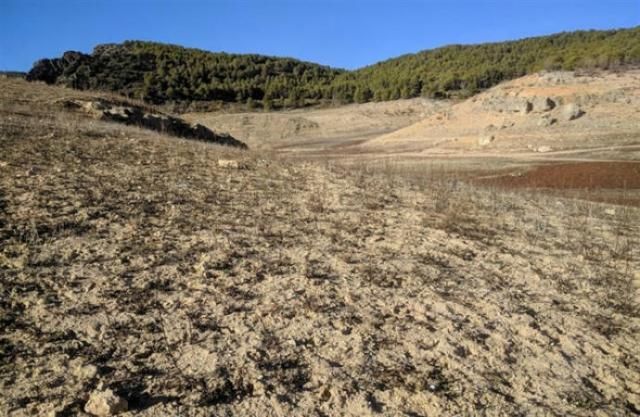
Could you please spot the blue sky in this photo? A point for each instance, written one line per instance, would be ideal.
(340, 33)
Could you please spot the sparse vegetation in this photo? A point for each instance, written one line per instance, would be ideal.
(189, 285)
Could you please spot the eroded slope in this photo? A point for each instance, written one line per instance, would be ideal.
(139, 263)
(538, 113)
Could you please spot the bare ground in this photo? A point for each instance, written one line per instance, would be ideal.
(135, 262)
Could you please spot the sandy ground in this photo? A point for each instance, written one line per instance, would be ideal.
(320, 129)
(135, 262)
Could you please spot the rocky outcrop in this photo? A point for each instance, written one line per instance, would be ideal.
(145, 117)
(543, 104)
(507, 104)
(571, 112)
(486, 140)
(105, 403)
(546, 120)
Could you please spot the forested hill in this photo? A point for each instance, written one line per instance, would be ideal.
(465, 70)
(162, 73)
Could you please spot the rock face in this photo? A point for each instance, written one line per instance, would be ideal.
(105, 403)
(130, 114)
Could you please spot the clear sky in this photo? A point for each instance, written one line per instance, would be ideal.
(340, 33)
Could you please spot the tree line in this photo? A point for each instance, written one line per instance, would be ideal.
(160, 73)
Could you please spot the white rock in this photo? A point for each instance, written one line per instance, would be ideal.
(543, 104)
(543, 149)
(105, 403)
(572, 112)
(228, 163)
(485, 140)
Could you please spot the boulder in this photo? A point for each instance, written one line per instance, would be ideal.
(547, 121)
(571, 112)
(105, 403)
(508, 104)
(543, 104)
(486, 140)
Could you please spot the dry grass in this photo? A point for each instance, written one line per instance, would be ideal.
(134, 261)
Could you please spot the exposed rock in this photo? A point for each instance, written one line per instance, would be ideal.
(228, 163)
(507, 104)
(547, 121)
(571, 112)
(105, 403)
(486, 140)
(141, 116)
(544, 149)
(543, 104)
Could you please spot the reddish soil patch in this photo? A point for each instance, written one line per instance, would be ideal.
(611, 182)
(581, 175)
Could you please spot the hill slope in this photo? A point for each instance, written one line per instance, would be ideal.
(166, 73)
(551, 111)
(467, 69)
(137, 263)
(159, 73)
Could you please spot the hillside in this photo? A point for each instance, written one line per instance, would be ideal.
(463, 70)
(161, 73)
(318, 129)
(151, 271)
(546, 113)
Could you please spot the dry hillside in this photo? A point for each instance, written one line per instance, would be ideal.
(319, 129)
(547, 112)
(189, 285)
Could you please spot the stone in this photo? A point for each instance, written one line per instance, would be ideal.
(572, 112)
(543, 104)
(544, 149)
(228, 163)
(486, 140)
(547, 121)
(105, 403)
